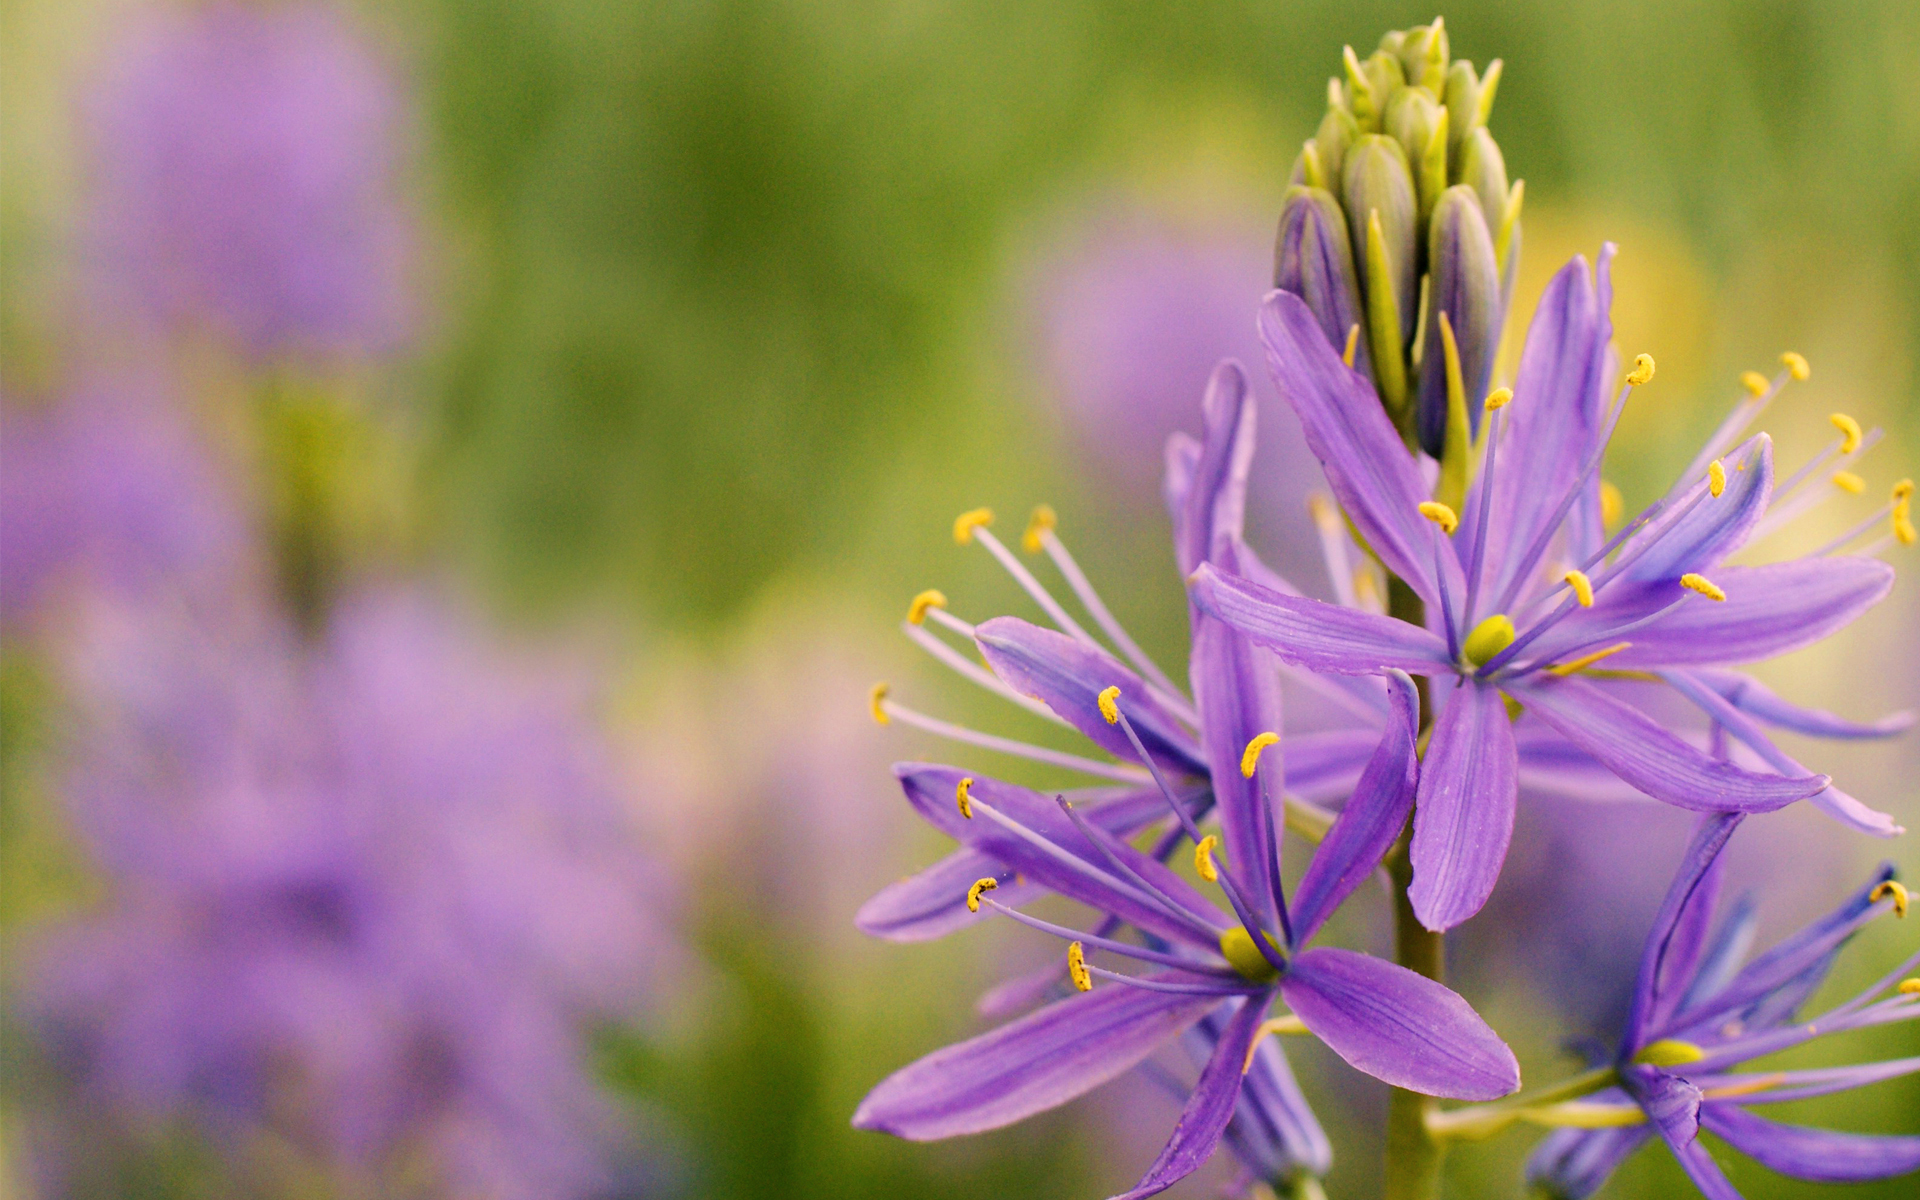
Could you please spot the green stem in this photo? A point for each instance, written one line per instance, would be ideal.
(1483, 1120)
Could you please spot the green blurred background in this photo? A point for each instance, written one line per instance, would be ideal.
(729, 313)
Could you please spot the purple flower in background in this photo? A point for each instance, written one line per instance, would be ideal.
(107, 488)
(245, 164)
(1698, 1013)
(1525, 593)
(1208, 964)
(362, 896)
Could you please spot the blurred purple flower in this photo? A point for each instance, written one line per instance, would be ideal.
(107, 488)
(362, 897)
(245, 162)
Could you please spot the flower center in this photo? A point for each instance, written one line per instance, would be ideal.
(1236, 946)
(1488, 638)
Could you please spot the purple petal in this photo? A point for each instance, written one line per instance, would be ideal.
(1068, 677)
(1038, 1062)
(1324, 766)
(1397, 1026)
(1695, 537)
(1672, 1106)
(1273, 1126)
(1371, 820)
(1819, 1155)
(933, 902)
(1367, 465)
(1236, 687)
(1754, 698)
(1679, 933)
(1214, 503)
(1209, 1108)
(1463, 819)
(1571, 1164)
(1642, 752)
(1314, 634)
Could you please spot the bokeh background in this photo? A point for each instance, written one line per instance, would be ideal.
(465, 462)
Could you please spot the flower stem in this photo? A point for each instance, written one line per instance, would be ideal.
(1414, 1155)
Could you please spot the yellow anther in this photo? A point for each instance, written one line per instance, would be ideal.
(1109, 708)
(1903, 522)
(1642, 370)
(1499, 398)
(931, 598)
(1894, 888)
(1751, 1087)
(1488, 638)
(1587, 660)
(1796, 366)
(1700, 583)
(1203, 858)
(1716, 478)
(1288, 1024)
(967, 522)
(1250, 757)
(1236, 946)
(1849, 431)
(1755, 383)
(1353, 344)
(1910, 987)
(874, 698)
(1903, 489)
(962, 796)
(1669, 1052)
(1366, 593)
(1582, 587)
(1847, 481)
(980, 885)
(1440, 515)
(1613, 505)
(1042, 520)
(1077, 967)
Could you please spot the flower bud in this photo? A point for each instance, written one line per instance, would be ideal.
(1313, 259)
(1465, 286)
(1338, 130)
(1422, 52)
(1484, 169)
(1377, 180)
(1416, 120)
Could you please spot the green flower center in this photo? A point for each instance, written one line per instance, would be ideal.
(1236, 946)
(1488, 638)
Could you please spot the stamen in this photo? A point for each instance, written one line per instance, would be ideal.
(971, 670)
(1849, 431)
(1847, 481)
(1108, 708)
(1585, 661)
(1716, 478)
(1903, 521)
(1642, 372)
(1102, 616)
(1440, 515)
(1582, 587)
(987, 884)
(931, 598)
(1031, 587)
(1366, 593)
(1353, 344)
(967, 522)
(1895, 889)
(1903, 489)
(1910, 987)
(1119, 772)
(1099, 940)
(1177, 989)
(1042, 520)
(1499, 398)
(1700, 583)
(1612, 504)
(1250, 757)
(1077, 967)
(1288, 1024)
(961, 798)
(875, 696)
(1749, 1087)
(1146, 887)
(1333, 547)
(1796, 366)
(1203, 859)
(1755, 383)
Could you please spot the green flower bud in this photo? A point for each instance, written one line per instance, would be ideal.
(1338, 130)
(1313, 259)
(1422, 52)
(1484, 169)
(1377, 181)
(1464, 289)
(1418, 122)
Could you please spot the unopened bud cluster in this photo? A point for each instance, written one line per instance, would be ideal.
(1400, 223)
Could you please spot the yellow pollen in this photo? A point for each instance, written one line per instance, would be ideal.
(1203, 858)
(962, 796)
(1488, 638)
(1669, 1052)
(1582, 587)
(931, 598)
(1236, 946)
(980, 885)
(1642, 370)
(1499, 398)
(1903, 521)
(1042, 520)
(1440, 515)
(1847, 481)
(1894, 888)
(1796, 366)
(1613, 505)
(1587, 660)
(1108, 708)
(1288, 1024)
(1250, 757)
(967, 522)
(1353, 344)
(874, 697)
(1077, 967)
(1849, 431)
(1910, 987)
(1903, 489)
(1700, 583)
(1716, 478)
(1755, 383)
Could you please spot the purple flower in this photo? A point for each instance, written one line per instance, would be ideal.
(1698, 1013)
(1526, 595)
(245, 174)
(107, 489)
(1205, 963)
(362, 896)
